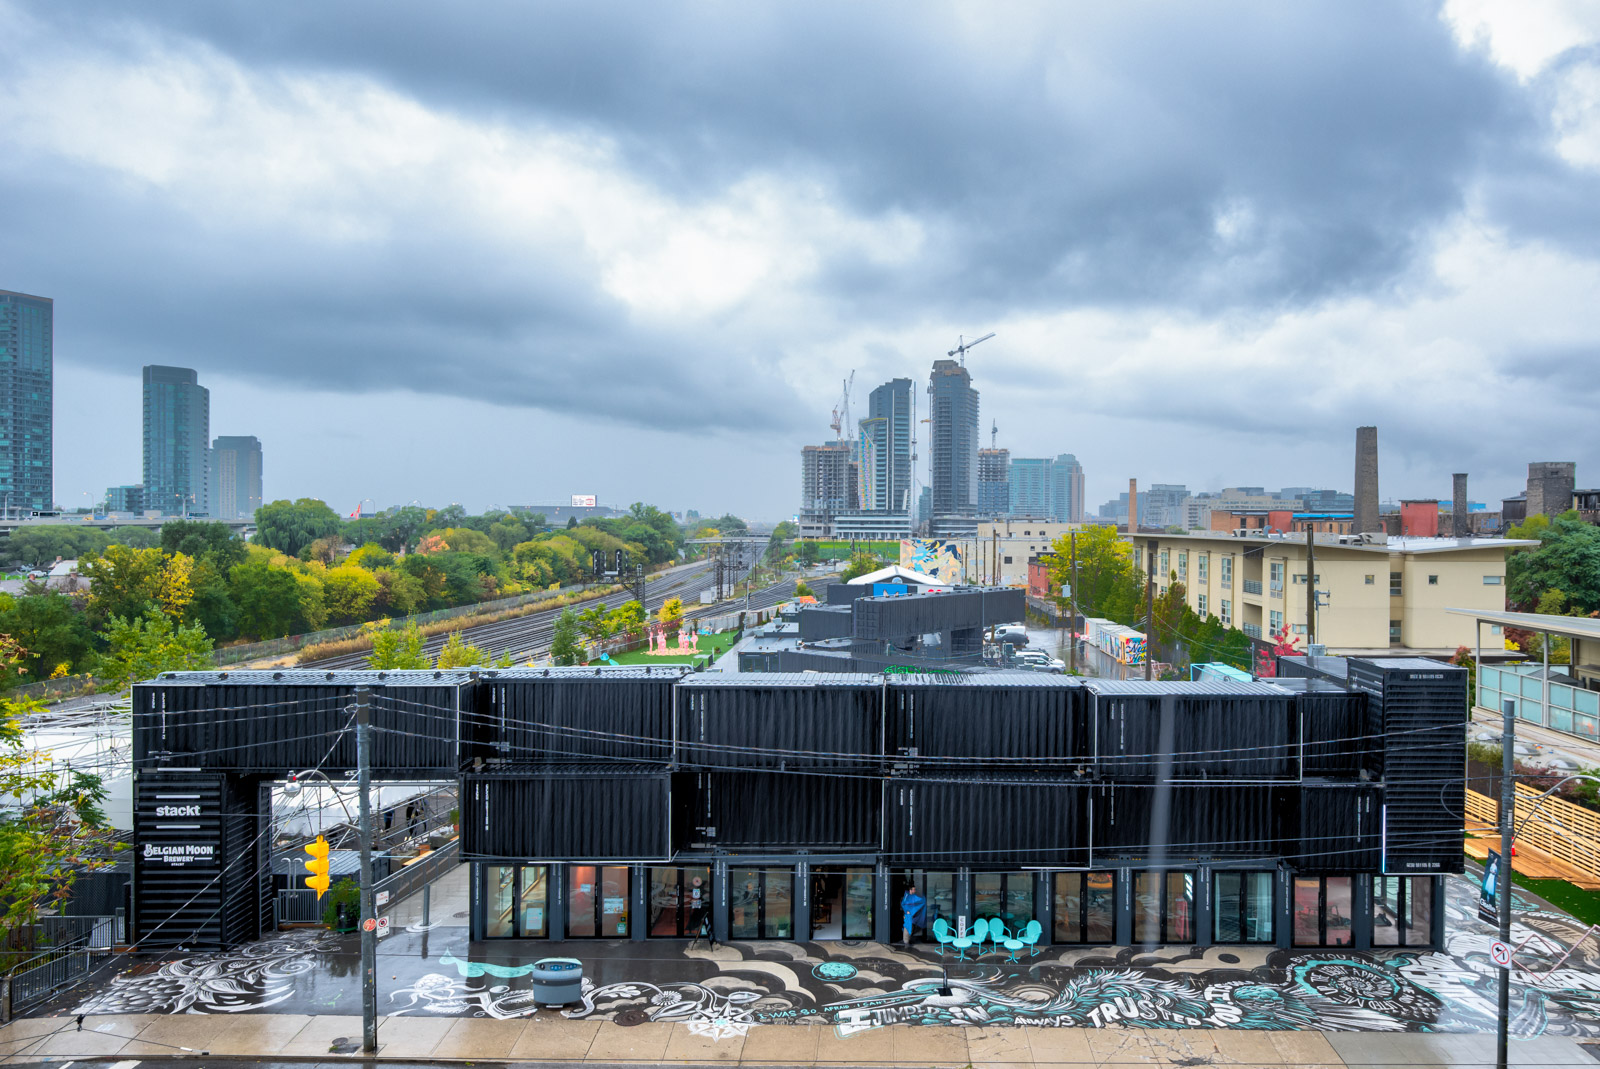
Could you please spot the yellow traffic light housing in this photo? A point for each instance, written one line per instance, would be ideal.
(317, 864)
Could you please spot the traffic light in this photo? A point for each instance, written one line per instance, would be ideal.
(317, 865)
(599, 559)
(622, 556)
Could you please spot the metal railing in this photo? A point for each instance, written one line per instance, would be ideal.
(1252, 586)
(44, 974)
(299, 905)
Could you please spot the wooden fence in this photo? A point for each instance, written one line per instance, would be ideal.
(1565, 831)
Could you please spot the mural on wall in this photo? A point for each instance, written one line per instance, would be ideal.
(944, 559)
(855, 987)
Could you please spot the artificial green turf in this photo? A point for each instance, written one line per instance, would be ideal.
(716, 645)
(1584, 905)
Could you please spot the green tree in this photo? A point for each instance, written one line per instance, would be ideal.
(290, 526)
(1109, 585)
(42, 546)
(572, 523)
(860, 564)
(393, 650)
(204, 541)
(399, 594)
(1567, 559)
(459, 653)
(348, 594)
(625, 618)
(267, 597)
(123, 582)
(594, 623)
(802, 589)
(564, 639)
(402, 527)
(808, 552)
(141, 648)
(50, 632)
(371, 557)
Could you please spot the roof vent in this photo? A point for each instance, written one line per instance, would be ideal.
(547, 673)
(222, 675)
(277, 675)
(438, 675)
(328, 676)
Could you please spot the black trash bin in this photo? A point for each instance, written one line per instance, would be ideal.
(344, 917)
(557, 981)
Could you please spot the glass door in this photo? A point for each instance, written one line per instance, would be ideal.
(1242, 907)
(1007, 896)
(1163, 908)
(938, 891)
(597, 902)
(1085, 909)
(1402, 911)
(517, 896)
(1322, 910)
(761, 903)
(680, 899)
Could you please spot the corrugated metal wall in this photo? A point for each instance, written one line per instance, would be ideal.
(777, 811)
(771, 722)
(1219, 821)
(1340, 828)
(1034, 721)
(1219, 731)
(621, 814)
(963, 820)
(199, 860)
(818, 623)
(573, 715)
(898, 618)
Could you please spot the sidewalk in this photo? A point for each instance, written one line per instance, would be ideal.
(548, 1037)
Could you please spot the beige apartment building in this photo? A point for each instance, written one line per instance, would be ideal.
(1379, 593)
(999, 555)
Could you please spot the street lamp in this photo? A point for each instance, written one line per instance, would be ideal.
(294, 785)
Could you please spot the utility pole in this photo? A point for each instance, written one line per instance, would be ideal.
(1311, 587)
(1150, 612)
(1072, 624)
(1508, 801)
(369, 917)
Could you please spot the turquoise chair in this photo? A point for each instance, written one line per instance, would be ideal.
(942, 932)
(974, 938)
(1030, 937)
(1003, 938)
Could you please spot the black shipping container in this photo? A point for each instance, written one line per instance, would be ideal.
(899, 618)
(1014, 720)
(1220, 730)
(201, 846)
(568, 813)
(818, 622)
(776, 721)
(785, 811)
(845, 593)
(573, 715)
(1421, 707)
(1340, 829)
(1332, 721)
(956, 820)
(286, 721)
(1226, 820)
(1300, 666)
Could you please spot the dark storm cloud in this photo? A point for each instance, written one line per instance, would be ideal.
(1065, 153)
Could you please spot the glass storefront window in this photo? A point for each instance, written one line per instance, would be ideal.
(1243, 907)
(1402, 911)
(680, 898)
(1163, 908)
(1322, 911)
(517, 896)
(1006, 895)
(761, 903)
(597, 901)
(1085, 907)
(858, 903)
(937, 888)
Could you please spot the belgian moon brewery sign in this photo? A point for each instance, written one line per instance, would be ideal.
(178, 853)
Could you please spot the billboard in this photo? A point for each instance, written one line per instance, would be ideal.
(944, 559)
(583, 501)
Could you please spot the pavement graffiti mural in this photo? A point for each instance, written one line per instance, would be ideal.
(256, 976)
(855, 987)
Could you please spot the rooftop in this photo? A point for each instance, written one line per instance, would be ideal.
(1394, 544)
(1585, 627)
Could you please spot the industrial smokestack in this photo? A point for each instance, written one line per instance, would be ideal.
(1458, 510)
(1367, 480)
(1133, 506)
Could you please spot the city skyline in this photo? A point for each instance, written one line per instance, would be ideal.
(1157, 214)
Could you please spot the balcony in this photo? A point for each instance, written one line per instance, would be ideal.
(1253, 630)
(1572, 709)
(1252, 586)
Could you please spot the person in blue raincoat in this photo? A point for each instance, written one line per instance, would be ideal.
(911, 907)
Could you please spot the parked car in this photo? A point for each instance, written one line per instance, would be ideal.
(1039, 661)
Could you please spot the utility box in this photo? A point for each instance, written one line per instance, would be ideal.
(557, 981)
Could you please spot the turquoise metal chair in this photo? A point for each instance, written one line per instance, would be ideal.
(1030, 936)
(1003, 938)
(974, 938)
(942, 932)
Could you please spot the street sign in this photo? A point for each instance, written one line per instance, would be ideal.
(381, 898)
(1500, 955)
(369, 925)
(383, 927)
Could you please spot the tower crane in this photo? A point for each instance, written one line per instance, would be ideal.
(994, 435)
(841, 411)
(962, 346)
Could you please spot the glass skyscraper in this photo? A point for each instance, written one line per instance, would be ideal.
(886, 448)
(27, 416)
(953, 452)
(236, 477)
(177, 440)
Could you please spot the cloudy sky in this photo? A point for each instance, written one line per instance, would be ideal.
(501, 253)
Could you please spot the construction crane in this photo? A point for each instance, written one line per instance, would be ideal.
(994, 435)
(841, 411)
(963, 346)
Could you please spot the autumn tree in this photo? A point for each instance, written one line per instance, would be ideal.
(144, 647)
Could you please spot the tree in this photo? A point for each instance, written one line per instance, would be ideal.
(671, 612)
(290, 526)
(393, 650)
(49, 632)
(268, 598)
(42, 546)
(465, 540)
(52, 829)
(203, 540)
(399, 594)
(144, 647)
(564, 640)
(1567, 559)
(371, 557)
(594, 623)
(459, 653)
(127, 582)
(1108, 583)
(572, 523)
(860, 564)
(808, 552)
(1282, 646)
(402, 527)
(802, 589)
(625, 618)
(348, 593)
